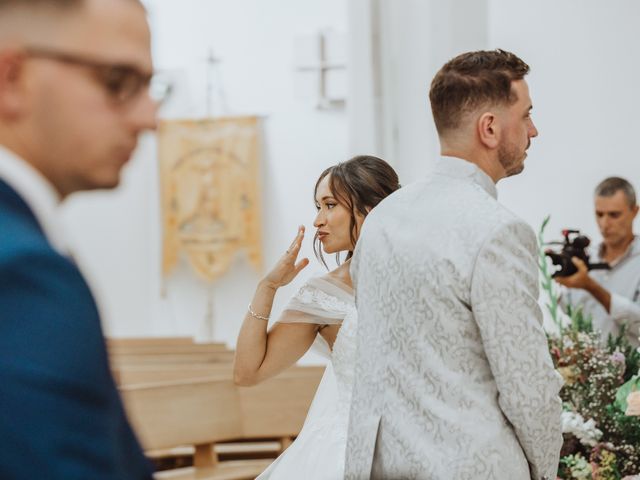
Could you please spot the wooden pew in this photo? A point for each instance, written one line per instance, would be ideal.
(169, 350)
(279, 406)
(208, 409)
(198, 412)
(138, 361)
(137, 374)
(182, 401)
(136, 342)
(153, 373)
(223, 356)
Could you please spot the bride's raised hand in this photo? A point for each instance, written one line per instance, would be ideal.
(286, 269)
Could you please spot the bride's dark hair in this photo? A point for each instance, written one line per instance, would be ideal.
(359, 184)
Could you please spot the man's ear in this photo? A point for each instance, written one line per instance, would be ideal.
(11, 84)
(488, 130)
(635, 211)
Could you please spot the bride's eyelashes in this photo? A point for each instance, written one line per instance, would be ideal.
(328, 205)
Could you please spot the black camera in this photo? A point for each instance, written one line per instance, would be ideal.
(574, 245)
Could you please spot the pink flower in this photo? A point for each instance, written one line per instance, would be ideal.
(618, 357)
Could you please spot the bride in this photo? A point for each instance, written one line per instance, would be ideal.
(322, 312)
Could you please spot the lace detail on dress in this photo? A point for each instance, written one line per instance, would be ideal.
(320, 301)
(324, 434)
(311, 296)
(343, 358)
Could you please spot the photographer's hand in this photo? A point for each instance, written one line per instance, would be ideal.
(581, 279)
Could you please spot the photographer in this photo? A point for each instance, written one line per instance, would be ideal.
(610, 297)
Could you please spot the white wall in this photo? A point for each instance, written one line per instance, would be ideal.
(445, 29)
(583, 55)
(584, 85)
(414, 38)
(117, 234)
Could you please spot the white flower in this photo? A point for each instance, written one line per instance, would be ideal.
(586, 432)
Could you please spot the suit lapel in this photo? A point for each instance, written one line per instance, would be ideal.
(10, 200)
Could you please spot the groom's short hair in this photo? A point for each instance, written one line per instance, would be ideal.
(470, 80)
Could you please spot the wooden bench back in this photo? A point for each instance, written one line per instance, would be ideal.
(279, 406)
(166, 351)
(223, 356)
(153, 373)
(135, 342)
(196, 411)
(181, 393)
(154, 349)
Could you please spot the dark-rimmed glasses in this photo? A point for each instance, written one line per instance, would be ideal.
(122, 82)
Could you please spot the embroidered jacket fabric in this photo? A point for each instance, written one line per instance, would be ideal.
(453, 377)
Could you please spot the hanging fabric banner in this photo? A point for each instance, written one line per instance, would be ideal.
(210, 193)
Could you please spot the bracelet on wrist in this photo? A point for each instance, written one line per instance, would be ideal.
(255, 315)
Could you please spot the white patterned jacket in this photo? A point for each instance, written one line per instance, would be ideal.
(453, 375)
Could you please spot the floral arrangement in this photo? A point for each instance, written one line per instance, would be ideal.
(600, 421)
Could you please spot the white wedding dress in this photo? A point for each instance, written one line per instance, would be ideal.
(319, 450)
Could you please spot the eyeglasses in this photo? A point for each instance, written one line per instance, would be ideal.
(122, 82)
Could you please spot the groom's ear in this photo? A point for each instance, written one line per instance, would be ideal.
(488, 130)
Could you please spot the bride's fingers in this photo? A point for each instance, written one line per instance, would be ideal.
(297, 242)
(301, 264)
(293, 252)
(299, 236)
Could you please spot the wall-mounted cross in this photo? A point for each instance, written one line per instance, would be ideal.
(323, 65)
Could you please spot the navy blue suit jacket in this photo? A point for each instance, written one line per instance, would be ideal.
(61, 416)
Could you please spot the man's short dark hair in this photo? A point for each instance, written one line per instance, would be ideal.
(51, 4)
(609, 186)
(471, 80)
(40, 3)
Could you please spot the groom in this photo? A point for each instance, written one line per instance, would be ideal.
(453, 376)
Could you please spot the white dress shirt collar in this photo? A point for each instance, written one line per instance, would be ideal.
(38, 193)
(459, 168)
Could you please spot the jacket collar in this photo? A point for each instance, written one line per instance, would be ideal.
(37, 193)
(463, 169)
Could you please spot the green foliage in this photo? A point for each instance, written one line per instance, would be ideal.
(621, 344)
(623, 392)
(595, 373)
(547, 282)
(579, 322)
(575, 467)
